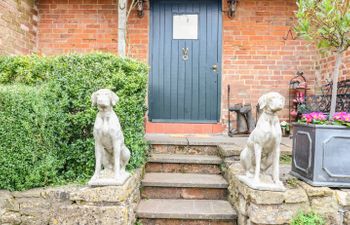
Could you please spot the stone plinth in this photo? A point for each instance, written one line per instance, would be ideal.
(72, 205)
(278, 208)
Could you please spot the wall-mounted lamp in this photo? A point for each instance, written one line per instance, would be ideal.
(140, 7)
(232, 5)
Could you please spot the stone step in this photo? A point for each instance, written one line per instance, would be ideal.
(186, 159)
(185, 209)
(182, 168)
(180, 163)
(145, 221)
(183, 193)
(184, 149)
(235, 150)
(184, 180)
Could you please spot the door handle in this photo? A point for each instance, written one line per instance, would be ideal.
(214, 67)
(185, 54)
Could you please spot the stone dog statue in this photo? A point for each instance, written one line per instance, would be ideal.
(262, 151)
(111, 154)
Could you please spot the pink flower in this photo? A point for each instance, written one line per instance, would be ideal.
(341, 116)
(314, 116)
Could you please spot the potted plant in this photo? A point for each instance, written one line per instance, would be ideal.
(321, 142)
(321, 149)
(285, 126)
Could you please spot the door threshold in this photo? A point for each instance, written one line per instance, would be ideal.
(184, 128)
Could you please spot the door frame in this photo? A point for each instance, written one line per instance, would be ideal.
(220, 69)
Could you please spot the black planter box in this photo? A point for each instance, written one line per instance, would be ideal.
(321, 155)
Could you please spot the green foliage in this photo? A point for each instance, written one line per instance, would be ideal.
(292, 182)
(286, 159)
(58, 117)
(325, 22)
(310, 218)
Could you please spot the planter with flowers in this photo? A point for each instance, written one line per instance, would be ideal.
(321, 149)
(321, 145)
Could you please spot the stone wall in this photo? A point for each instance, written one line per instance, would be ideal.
(18, 27)
(72, 205)
(278, 208)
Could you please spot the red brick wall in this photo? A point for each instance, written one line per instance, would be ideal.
(77, 26)
(138, 30)
(89, 25)
(326, 67)
(256, 59)
(18, 27)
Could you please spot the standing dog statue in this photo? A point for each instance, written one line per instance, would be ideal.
(263, 147)
(111, 154)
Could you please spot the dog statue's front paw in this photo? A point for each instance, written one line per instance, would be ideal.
(279, 183)
(96, 176)
(257, 179)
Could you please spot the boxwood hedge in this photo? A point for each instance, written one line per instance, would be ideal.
(46, 115)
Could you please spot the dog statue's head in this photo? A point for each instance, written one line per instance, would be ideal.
(104, 99)
(272, 102)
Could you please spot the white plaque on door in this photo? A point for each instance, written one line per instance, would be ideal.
(185, 26)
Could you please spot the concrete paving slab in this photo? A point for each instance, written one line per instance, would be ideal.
(186, 209)
(185, 159)
(166, 139)
(184, 180)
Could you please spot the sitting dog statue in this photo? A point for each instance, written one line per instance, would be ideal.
(262, 151)
(111, 154)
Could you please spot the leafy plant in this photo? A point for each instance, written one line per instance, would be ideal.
(46, 115)
(310, 218)
(327, 24)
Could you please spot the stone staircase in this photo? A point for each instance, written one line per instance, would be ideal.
(183, 185)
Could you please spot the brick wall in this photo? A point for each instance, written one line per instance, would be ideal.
(89, 25)
(326, 67)
(138, 30)
(18, 27)
(256, 58)
(77, 26)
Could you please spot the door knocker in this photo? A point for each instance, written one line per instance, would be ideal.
(185, 54)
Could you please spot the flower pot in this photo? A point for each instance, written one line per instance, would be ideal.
(321, 154)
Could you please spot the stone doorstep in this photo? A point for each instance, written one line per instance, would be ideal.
(184, 180)
(186, 159)
(186, 209)
(206, 140)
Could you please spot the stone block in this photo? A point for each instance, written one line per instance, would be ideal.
(274, 214)
(229, 150)
(260, 197)
(82, 214)
(295, 195)
(315, 191)
(343, 197)
(115, 194)
(327, 207)
(7, 202)
(10, 218)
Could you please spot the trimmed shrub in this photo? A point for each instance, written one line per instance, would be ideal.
(65, 84)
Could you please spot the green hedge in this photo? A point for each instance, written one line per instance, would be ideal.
(46, 115)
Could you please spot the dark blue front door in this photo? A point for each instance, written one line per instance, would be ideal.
(185, 59)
